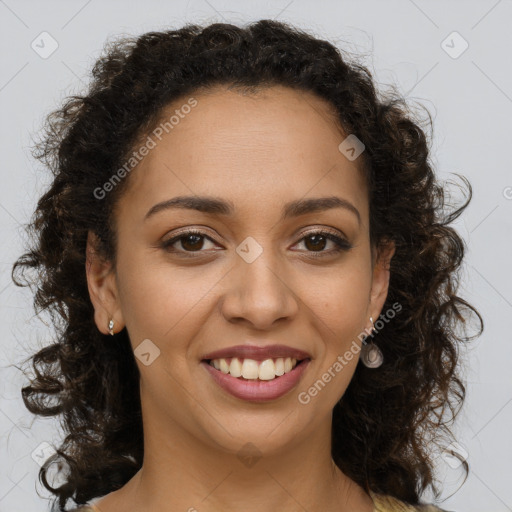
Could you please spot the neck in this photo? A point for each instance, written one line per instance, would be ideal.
(183, 472)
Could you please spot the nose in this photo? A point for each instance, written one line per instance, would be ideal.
(259, 293)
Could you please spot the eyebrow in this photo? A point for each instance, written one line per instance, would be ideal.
(216, 206)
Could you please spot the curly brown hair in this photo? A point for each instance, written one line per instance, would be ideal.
(389, 417)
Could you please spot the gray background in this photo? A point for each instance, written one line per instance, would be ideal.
(470, 98)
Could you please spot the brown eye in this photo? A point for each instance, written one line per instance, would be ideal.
(316, 242)
(190, 242)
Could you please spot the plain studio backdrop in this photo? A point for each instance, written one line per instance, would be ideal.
(451, 56)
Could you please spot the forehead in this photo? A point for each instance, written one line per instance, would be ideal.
(269, 147)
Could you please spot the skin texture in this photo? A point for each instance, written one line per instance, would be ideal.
(258, 151)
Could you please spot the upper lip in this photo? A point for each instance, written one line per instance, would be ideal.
(258, 352)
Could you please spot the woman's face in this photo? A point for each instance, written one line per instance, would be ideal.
(254, 276)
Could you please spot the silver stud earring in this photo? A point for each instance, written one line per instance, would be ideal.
(371, 355)
(111, 327)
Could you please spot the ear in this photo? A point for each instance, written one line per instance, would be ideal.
(380, 280)
(101, 282)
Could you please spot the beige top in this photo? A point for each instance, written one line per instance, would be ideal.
(381, 502)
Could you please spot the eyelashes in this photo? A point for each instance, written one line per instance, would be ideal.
(194, 236)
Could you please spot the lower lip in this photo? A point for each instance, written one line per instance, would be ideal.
(255, 390)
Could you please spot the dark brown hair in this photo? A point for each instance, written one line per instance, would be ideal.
(389, 417)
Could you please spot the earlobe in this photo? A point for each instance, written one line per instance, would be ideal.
(102, 287)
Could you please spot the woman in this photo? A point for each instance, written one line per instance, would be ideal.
(257, 278)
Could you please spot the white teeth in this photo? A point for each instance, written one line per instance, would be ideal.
(251, 369)
(235, 368)
(267, 370)
(279, 366)
(224, 366)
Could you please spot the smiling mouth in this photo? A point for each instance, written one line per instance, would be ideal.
(251, 369)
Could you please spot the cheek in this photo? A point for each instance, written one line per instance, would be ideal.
(340, 300)
(160, 302)
(339, 315)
